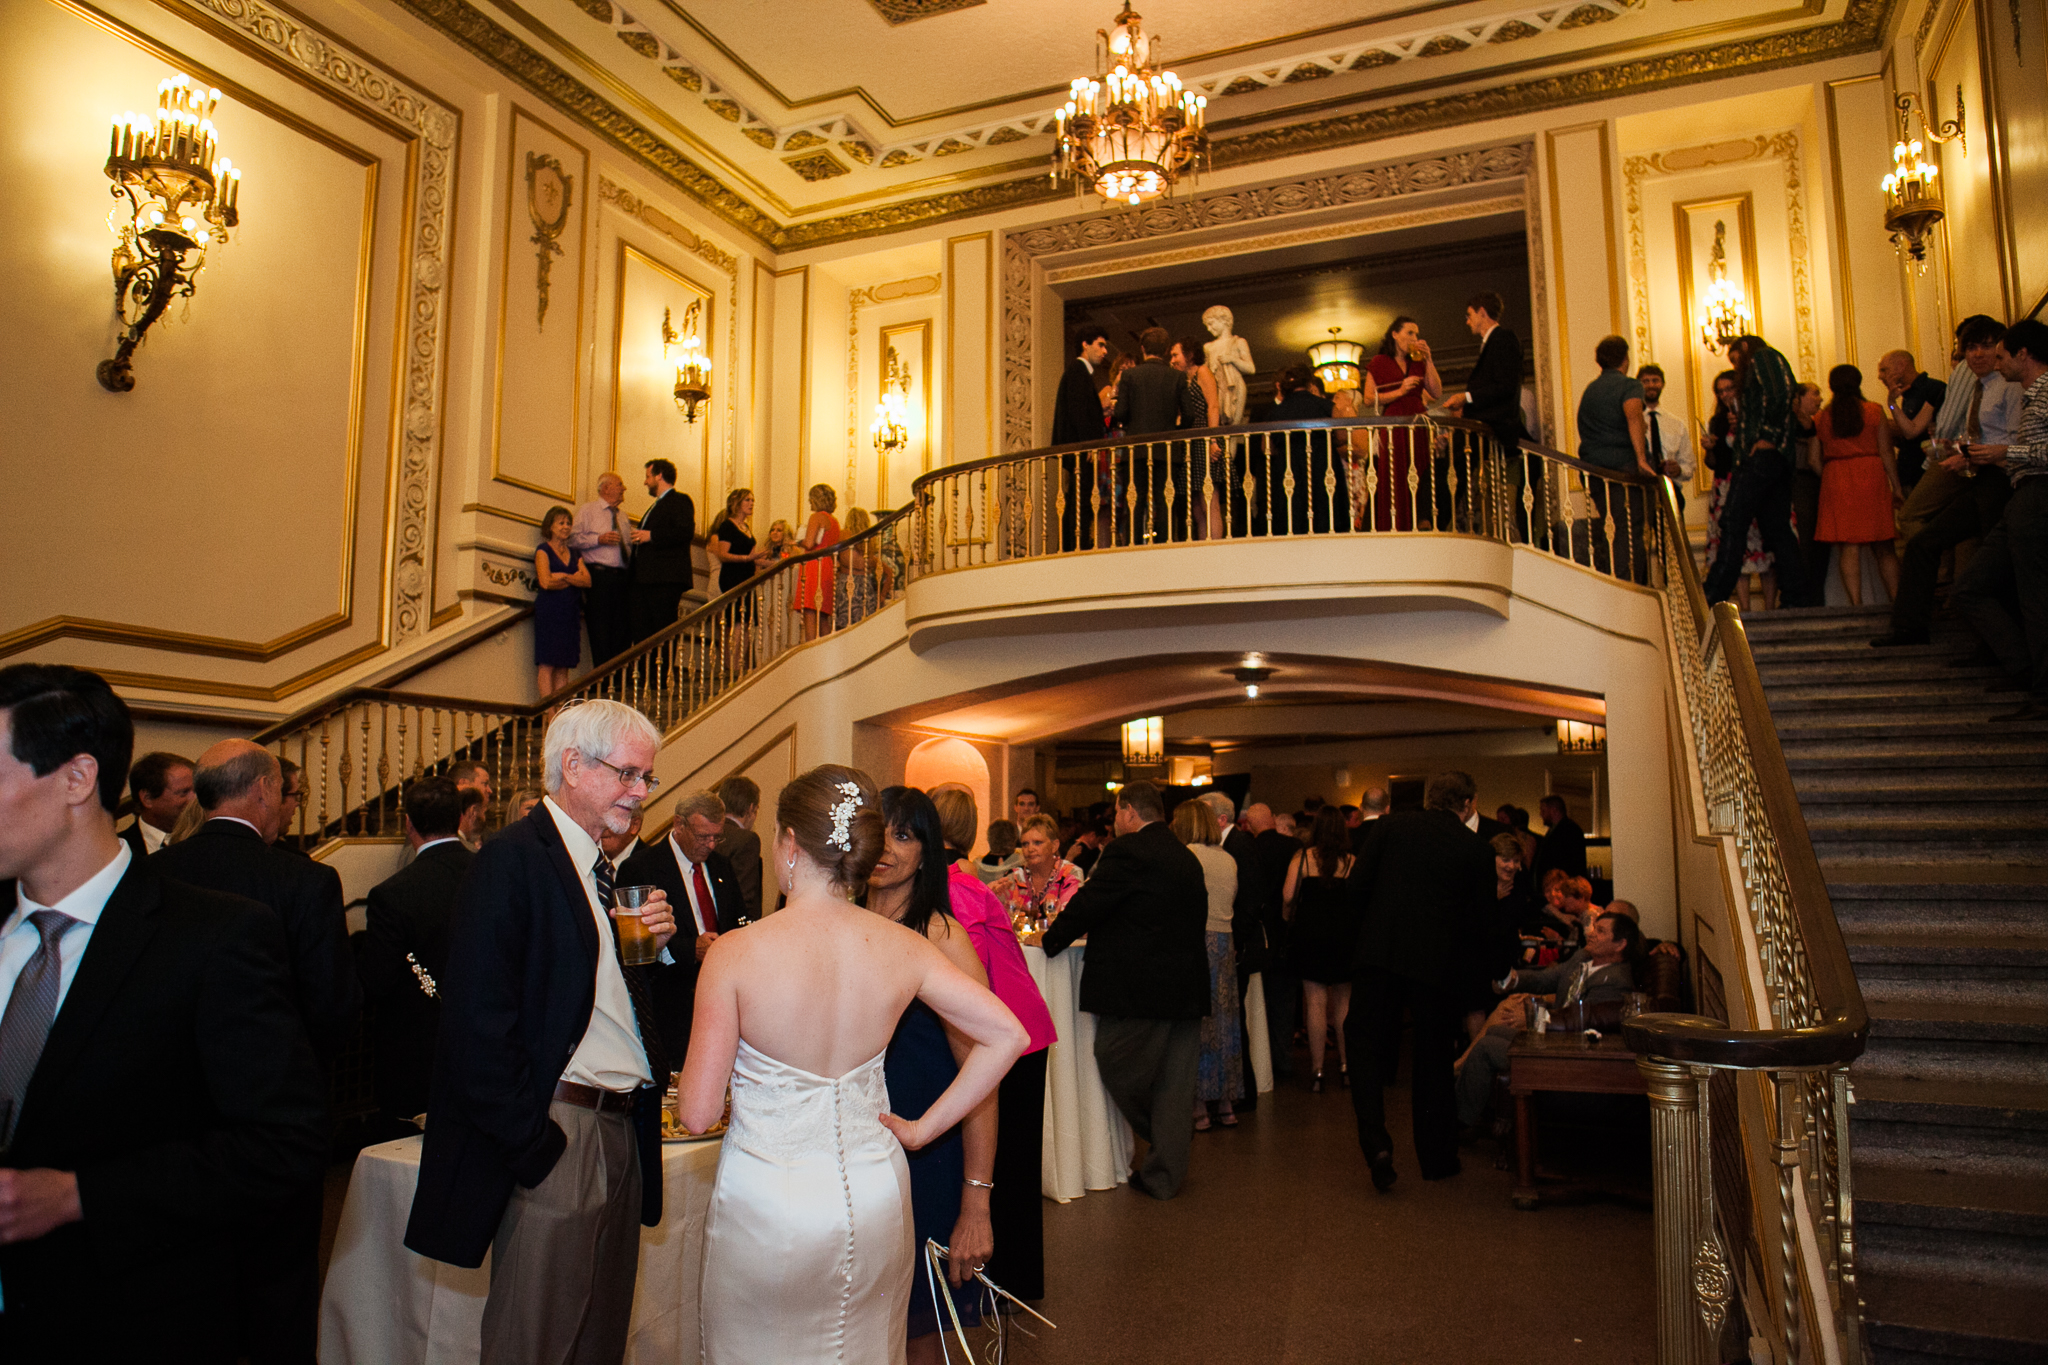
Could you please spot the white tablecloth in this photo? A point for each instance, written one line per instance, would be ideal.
(384, 1305)
(1087, 1142)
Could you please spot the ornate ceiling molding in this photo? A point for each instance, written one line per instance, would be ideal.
(1858, 31)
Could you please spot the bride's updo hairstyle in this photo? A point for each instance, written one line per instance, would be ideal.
(837, 819)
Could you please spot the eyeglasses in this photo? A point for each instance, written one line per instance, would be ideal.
(629, 776)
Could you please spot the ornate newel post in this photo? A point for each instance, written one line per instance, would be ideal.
(1692, 1274)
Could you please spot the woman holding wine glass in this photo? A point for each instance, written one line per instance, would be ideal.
(1401, 381)
(1042, 885)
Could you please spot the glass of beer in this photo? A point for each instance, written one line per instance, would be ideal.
(637, 947)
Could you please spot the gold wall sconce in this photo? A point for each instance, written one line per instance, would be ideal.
(693, 372)
(1724, 311)
(182, 197)
(1912, 192)
(891, 427)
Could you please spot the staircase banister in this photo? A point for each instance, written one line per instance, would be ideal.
(1635, 476)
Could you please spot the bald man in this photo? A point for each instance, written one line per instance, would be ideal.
(240, 786)
(601, 533)
(1911, 399)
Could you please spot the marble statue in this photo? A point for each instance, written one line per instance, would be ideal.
(1230, 359)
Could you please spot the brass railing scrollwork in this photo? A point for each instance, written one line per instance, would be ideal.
(1819, 1024)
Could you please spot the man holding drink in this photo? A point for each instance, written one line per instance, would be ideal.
(544, 1119)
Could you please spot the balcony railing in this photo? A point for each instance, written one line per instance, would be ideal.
(1352, 481)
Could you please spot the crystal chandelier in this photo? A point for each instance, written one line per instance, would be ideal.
(1724, 312)
(1912, 194)
(1133, 131)
(182, 198)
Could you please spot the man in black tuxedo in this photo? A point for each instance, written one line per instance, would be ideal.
(405, 947)
(1271, 852)
(160, 1100)
(1077, 416)
(1152, 398)
(737, 841)
(241, 787)
(707, 898)
(664, 545)
(161, 785)
(1563, 843)
(1427, 886)
(549, 1071)
(1146, 980)
(1493, 398)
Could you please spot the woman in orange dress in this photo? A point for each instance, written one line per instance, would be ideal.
(1400, 381)
(1859, 483)
(814, 579)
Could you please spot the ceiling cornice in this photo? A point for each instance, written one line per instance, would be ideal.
(1859, 30)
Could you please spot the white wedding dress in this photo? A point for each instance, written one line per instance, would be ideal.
(808, 1251)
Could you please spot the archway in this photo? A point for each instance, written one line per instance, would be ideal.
(952, 760)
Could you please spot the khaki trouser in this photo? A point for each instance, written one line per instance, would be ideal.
(568, 1251)
(1935, 491)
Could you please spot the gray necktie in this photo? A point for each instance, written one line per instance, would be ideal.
(625, 541)
(30, 1011)
(1577, 986)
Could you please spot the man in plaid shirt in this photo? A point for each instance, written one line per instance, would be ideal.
(1760, 490)
(2013, 559)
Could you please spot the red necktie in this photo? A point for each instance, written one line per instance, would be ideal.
(703, 907)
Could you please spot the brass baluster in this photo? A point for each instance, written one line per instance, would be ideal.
(1785, 1153)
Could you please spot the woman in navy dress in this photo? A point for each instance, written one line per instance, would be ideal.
(950, 1179)
(558, 605)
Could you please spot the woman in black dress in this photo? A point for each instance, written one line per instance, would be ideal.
(1317, 904)
(950, 1179)
(732, 542)
(558, 604)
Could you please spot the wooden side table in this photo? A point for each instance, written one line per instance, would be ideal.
(1561, 1061)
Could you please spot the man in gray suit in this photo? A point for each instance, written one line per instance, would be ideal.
(1601, 973)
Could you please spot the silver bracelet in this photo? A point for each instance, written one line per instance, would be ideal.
(980, 1184)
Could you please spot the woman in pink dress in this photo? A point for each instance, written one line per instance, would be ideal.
(1400, 381)
(814, 579)
(1042, 885)
(1859, 483)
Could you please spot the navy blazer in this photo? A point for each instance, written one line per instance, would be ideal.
(178, 1083)
(516, 1000)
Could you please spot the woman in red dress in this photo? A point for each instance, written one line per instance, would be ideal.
(1859, 483)
(1401, 381)
(814, 580)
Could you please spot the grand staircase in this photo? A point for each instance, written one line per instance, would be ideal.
(1931, 826)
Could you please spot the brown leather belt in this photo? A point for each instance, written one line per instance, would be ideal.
(590, 1097)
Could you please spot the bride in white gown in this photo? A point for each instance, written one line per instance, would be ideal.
(808, 1253)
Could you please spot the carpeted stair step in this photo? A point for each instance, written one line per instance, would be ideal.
(1932, 786)
(1929, 745)
(1814, 622)
(1901, 1194)
(1873, 665)
(2015, 834)
(1865, 903)
(1886, 696)
(1968, 721)
(2016, 1108)
(1914, 1315)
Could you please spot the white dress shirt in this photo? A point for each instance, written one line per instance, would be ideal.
(1491, 328)
(152, 837)
(1998, 412)
(19, 939)
(611, 1056)
(592, 520)
(1675, 439)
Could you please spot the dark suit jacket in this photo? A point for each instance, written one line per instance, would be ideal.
(1077, 410)
(655, 865)
(226, 855)
(408, 916)
(1274, 851)
(666, 557)
(1427, 884)
(1488, 827)
(517, 997)
(742, 848)
(132, 836)
(1247, 925)
(1145, 909)
(1562, 845)
(1153, 397)
(178, 1083)
(1496, 385)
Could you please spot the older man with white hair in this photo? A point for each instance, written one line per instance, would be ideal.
(545, 1138)
(603, 536)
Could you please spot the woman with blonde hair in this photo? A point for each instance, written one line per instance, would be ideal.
(814, 580)
(853, 591)
(1219, 1076)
